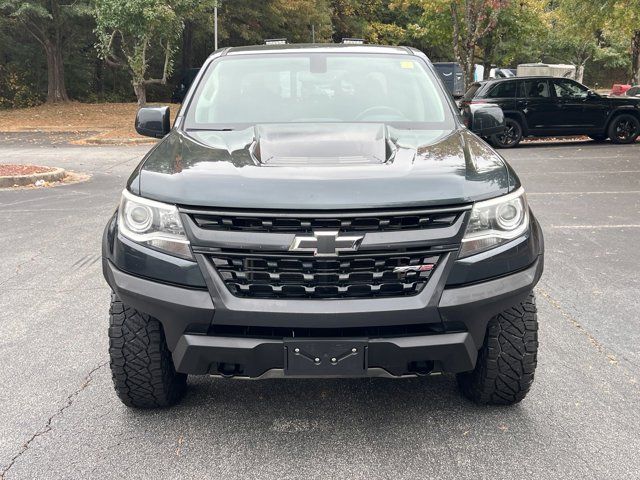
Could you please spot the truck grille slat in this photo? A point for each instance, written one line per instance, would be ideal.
(352, 223)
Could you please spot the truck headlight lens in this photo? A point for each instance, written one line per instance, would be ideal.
(154, 224)
(494, 222)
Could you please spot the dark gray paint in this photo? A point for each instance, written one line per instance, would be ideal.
(218, 169)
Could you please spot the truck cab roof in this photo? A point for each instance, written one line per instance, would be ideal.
(319, 48)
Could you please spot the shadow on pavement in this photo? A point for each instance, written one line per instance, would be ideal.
(339, 406)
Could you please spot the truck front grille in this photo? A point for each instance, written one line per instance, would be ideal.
(346, 276)
(380, 222)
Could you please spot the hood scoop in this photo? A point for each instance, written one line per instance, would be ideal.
(322, 144)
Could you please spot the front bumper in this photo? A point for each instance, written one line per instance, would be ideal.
(187, 315)
(211, 331)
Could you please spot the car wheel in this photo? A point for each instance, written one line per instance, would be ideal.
(141, 365)
(507, 360)
(511, 136)
(624, 129)
(598, 138)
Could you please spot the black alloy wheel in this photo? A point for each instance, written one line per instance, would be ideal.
(511, 136)
(624, 129)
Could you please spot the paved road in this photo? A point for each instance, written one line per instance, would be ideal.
(59, 417)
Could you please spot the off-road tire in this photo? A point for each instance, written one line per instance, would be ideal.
(507, 360)
(141, 366)
(624, 129)
(511, 137)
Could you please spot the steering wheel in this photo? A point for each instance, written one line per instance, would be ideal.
(380, 110)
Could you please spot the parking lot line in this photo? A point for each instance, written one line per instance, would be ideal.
(531, 194)
(593, 227)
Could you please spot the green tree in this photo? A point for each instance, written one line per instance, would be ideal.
(577, 32)
(132, 33)
(389, 22)
(471, 22)
(49, 23)
(626, 24)
(252, 21)
(510, 42)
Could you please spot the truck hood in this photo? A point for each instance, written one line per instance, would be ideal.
(322, 166)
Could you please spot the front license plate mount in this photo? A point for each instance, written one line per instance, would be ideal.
(326, 357)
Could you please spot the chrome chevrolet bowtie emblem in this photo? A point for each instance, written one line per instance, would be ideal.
(326, 243)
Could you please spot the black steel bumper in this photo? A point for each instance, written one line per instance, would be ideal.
(187, 314)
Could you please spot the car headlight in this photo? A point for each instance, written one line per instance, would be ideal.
(494, 222)
(154, 224)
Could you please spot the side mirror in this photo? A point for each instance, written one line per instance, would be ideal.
(484, 119)
(153, 121)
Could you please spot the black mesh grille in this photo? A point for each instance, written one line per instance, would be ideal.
(300, 224)
(287, 276)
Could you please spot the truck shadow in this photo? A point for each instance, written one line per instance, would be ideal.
(336, 407)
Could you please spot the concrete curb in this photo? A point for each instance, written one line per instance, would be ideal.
(117, 141)
(22, 180)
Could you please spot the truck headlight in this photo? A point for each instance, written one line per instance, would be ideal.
(494, 222)
(154, 224)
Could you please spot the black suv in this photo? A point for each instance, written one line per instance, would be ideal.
(321, 211)
(548, 106)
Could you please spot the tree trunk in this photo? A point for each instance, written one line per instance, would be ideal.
(580, 72)
(141, 93)
(635, 58)
(98, 66)
(468, 66)
(187, 46)
(56, 90)
(486, 63)
(488, 48)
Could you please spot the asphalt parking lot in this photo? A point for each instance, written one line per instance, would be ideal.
(59, 417)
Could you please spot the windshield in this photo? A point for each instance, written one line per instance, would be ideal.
(318, 87)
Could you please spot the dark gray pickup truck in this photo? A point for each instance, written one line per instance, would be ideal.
(322, 211)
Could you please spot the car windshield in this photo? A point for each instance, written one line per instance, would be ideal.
(255, 89)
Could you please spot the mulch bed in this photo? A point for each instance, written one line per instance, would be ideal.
(9, 170)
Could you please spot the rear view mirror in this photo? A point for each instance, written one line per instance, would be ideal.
(484, 119)
(153, 121)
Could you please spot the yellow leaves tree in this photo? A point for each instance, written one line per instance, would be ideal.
(626, 22)
(471, 20)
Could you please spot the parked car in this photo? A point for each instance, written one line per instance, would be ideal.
(452, 75)
(633, 91)
(322, 211)
(548, 106)
(618, 90)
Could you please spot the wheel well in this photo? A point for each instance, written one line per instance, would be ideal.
(517, 116)
(616, 113)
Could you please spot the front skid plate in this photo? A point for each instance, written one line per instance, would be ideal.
(326, 357)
